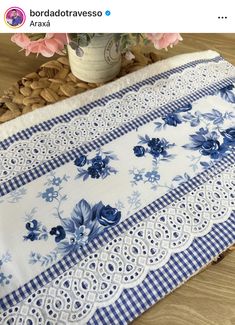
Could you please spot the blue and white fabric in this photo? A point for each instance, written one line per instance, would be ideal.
(111, 200)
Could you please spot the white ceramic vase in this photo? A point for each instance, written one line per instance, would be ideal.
(100, 62)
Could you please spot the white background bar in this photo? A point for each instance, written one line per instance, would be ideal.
(128, 16)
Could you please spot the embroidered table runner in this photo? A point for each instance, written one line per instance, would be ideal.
(113, 198)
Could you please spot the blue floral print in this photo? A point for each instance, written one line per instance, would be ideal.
(96, 167)
(152, 176)
(227, 93)
(216, 117)
(72, 233)
(59, 233)
(32, 225)
(207, 143)
(53, 193)
(139, 151)
(138, 176)
(109, 216)
(172, 119)
(36, 231)
(4, 279)
(175, 118)
(15, 196)
(85, 223)
(43, 260)
(142, 176)
(134, 203)
(186, 115)
(155, 147)
(181, 179)
(195, 118)
(33, 228)
(56, 181)
(211, 138)
(229, 136)
(80, 161)
(50, 194)
(53, 180)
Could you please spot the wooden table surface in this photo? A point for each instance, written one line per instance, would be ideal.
(209, 297)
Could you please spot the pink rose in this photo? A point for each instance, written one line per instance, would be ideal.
(47, 46)
(163, 40)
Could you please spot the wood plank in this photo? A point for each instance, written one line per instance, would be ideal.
(206, 299)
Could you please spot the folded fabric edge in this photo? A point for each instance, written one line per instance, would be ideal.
(43, 114)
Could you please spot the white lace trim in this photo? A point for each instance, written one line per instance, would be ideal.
(43, 146)
(98, 280)
(45, 113)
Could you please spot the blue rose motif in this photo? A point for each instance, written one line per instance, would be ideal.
(109, 216)
(99, 163)
(80, 161)
(50, 194)
(97, 167)
(157, 147)
(32, 225)
(211, 148)
(94, 172)
(85, 223)
(207, 144)
(154, 142)
(172, 119)
(229, 135)
(59, 233)
(139, 151)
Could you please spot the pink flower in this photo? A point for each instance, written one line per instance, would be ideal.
(129, 56)
(21, 40)
(47, 46)
(163, 40)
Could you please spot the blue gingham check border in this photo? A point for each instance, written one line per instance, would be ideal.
(44, 168)
(47, 125)
(72, 258)
(181, 266)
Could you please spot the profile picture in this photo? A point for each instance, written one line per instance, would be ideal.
(15, 17)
